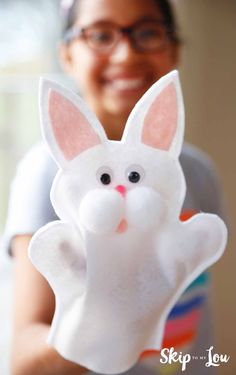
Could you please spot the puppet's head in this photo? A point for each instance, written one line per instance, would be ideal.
(108, 186)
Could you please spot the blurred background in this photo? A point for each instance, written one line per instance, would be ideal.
(29, 35)
(208, 72)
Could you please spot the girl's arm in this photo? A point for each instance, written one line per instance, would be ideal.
(33, 312)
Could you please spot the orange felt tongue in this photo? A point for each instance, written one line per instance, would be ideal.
(122, 226)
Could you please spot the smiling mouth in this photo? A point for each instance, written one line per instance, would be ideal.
(127, 84)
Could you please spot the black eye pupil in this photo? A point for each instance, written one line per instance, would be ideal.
(105, 179)
(134, 177)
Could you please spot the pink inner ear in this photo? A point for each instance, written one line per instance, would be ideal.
(72, 131)
(160, 123)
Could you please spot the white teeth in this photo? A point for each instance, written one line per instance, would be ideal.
(128, 84)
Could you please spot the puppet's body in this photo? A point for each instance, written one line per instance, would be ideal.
(120, 258)
(113, 305)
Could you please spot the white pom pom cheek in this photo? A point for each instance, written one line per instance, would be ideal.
(145, 208)
(101, 211)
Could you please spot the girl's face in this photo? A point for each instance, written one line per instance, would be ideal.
(113, 83)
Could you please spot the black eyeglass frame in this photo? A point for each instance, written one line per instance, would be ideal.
(80, 32)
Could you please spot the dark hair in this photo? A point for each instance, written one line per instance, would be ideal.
(165, 7)
(169, 17)
(69, 14)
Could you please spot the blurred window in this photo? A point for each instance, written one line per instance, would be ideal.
(29, 33)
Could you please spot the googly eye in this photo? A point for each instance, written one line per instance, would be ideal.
(134, 177)
(105, 179)
(135, 173)
(104, 175)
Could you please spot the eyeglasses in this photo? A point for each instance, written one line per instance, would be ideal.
(103, 37)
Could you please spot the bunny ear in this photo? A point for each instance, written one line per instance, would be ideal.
(157, 120)
(68, 125)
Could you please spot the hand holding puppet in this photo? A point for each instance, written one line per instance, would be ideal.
(119, 258)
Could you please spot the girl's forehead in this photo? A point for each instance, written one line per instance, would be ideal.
(120, 11)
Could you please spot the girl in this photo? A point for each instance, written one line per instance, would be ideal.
(114, 50)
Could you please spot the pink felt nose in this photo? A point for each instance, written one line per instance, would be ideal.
(121, 189)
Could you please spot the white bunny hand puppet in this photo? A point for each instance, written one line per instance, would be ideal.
(120, 258)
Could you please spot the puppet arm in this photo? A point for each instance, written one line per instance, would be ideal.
(56, 250)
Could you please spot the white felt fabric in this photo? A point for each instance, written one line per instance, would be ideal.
(120, 258)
